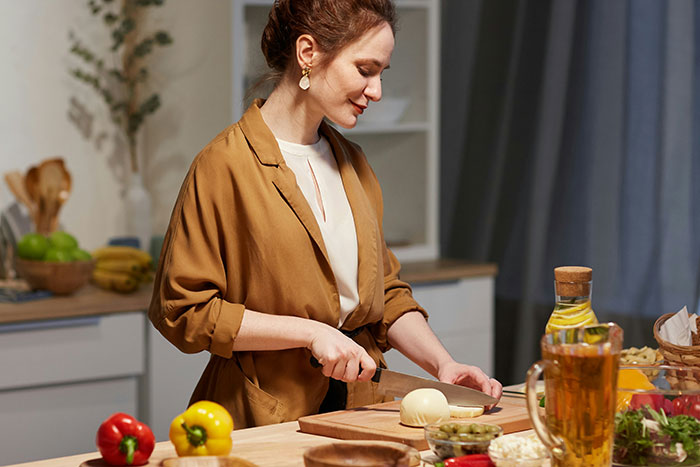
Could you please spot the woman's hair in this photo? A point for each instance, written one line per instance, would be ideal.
(332, 23)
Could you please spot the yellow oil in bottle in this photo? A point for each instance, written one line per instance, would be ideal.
(572, 288)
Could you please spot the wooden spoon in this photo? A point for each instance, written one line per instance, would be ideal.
(54, 189)
(31, 182)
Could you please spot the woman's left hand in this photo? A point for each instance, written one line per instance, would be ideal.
(470, 376)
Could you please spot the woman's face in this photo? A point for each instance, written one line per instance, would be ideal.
(343, 88)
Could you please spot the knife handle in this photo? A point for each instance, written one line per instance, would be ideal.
(377, 374)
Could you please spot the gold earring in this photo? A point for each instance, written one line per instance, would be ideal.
(304, 82)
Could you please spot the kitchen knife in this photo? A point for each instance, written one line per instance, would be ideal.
(397, 384)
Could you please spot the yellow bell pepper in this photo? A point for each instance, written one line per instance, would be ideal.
(204, 429)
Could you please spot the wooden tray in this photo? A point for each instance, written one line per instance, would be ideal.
(381, 422)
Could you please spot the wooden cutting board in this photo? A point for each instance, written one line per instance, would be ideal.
(381, 422)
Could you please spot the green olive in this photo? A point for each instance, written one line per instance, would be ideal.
(466, 437)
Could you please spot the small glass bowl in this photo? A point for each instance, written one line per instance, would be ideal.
(459, 438)
(675, 390)
(515, 459)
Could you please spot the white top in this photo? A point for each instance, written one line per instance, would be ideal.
(319, 179)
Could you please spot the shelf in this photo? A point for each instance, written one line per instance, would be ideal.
(376, 128)
(399, 3)
(412, 4)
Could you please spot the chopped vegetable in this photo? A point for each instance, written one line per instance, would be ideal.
(518, 448)
(645, 436)
(471, 460)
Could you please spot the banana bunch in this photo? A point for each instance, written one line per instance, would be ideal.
(121, 268)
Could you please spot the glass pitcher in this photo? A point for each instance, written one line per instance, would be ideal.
(580, 368)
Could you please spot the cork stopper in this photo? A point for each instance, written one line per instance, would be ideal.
(573, 281)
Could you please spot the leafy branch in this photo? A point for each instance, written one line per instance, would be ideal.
(121, 85)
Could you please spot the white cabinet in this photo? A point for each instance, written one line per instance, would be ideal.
(172, 376)
(399, 134)
(61, 378)
(461, 315)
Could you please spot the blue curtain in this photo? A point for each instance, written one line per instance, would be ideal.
(580, 145)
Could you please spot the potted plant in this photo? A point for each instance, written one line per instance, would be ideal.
(119, 75)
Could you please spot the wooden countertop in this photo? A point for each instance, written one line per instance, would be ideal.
(445, 270)
(90, 300)
(281, 445)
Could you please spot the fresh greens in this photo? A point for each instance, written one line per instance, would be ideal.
(648, 437)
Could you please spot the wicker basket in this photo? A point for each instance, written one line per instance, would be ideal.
(59, 278)
(679, 355)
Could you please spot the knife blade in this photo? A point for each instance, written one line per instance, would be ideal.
(393, 383)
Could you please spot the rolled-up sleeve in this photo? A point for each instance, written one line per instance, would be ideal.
(187, 305)
(398, 300)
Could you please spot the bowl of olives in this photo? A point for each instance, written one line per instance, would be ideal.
(459, 438)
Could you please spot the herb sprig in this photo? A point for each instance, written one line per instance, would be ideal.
(636, 443)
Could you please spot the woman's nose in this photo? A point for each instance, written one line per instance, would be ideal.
(373, 91)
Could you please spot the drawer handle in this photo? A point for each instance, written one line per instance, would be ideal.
(50, 324)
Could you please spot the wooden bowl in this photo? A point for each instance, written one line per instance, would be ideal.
(207, 461)
(361, 454)
(61, 278)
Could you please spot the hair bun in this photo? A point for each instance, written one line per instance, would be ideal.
(332, 23)
(276, 36)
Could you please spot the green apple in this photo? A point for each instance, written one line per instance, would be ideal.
(62, 240)
(32, 246)
(80, 255)
(54, 254)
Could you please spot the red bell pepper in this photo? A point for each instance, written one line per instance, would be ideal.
(470, 460)
(123, 440)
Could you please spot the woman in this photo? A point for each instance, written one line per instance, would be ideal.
(275, 253)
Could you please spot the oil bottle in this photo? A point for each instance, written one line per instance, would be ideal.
(572, 289)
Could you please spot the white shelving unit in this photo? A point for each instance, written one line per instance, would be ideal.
(402, 148)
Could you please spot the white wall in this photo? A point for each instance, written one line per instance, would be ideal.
(193, 78)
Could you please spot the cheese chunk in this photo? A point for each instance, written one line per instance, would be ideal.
(423, 406)
(458, 411)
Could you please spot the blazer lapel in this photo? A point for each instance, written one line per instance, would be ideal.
(365, 225)
(268, 153)
(286, 184)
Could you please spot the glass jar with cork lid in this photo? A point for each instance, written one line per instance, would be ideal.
(572, 289)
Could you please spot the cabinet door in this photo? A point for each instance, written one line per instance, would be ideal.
(55, 421)
(69, 350)
(59, 379)
(172, 377)
(461, 315)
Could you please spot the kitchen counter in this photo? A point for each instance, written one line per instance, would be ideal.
(272, 445)
(91, 301)
(88, 301)
(281, 445)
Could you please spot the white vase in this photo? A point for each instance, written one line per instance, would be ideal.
(138, 211)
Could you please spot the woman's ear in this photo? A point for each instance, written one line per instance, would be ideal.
(307, 51)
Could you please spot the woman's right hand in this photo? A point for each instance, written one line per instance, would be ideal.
(341, 357)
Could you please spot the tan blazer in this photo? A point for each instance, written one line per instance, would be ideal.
(242, 235)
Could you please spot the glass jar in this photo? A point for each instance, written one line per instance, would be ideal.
(572, 291)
